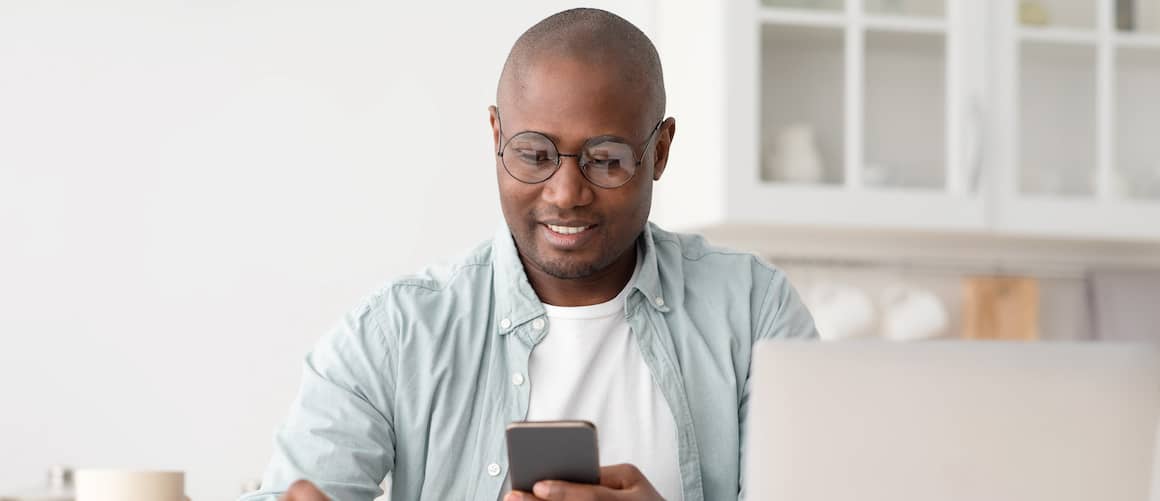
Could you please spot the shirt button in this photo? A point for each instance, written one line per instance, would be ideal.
(517, 379)
(660, 301)
(505, 323)
(538, 324)
(493, 470)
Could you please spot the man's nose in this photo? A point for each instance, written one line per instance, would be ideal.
(568, 188)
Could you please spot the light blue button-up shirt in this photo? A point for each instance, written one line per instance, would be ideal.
(417, 381)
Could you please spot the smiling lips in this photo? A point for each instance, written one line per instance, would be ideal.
(567, 230)
(568, 237)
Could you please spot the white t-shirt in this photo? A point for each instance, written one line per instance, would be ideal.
(589, 367)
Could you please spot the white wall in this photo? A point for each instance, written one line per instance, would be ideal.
(192, 192)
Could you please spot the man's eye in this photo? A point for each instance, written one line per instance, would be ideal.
(533, 155)
(605, 163)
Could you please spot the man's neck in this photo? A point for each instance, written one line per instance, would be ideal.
(597, 288)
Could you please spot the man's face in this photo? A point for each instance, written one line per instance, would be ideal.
(570, 102)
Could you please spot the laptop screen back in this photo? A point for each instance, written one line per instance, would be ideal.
(952, 421)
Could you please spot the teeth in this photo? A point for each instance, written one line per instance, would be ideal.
(567, 230)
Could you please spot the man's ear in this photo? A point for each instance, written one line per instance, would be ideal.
(493, 112)
(664, 142)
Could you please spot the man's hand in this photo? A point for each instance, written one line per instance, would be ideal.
(617, 482)
(303, 490)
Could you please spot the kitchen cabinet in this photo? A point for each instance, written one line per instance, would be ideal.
(1025, 118)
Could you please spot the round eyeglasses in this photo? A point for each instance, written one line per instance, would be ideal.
(605, 161)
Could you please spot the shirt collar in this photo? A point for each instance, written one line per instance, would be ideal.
(517, 303)
(648, 281)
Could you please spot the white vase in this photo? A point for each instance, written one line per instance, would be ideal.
(793, 156)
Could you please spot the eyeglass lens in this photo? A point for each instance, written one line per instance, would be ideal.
(532, 158)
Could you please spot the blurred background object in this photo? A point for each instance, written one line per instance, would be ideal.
(987, 286)
(1001, 308)
(793, 156)
(840, 311)
(1033, 13)
(251, 486)
(913, 314)
(129, 485)
(59, 486)
(1125, 304)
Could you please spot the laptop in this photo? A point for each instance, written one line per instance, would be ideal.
(952, 421)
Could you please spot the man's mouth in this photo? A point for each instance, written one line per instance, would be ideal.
(568, 235)
(568, 230)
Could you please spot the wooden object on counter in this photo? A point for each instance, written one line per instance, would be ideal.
(1001, 308)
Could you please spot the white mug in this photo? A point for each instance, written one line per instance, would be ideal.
(840, 311)
(911, 314)
(129, 485)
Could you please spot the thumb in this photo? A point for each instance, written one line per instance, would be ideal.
(303, 490)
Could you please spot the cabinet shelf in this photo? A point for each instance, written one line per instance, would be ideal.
(906, 24)
(1059, 35)
(1137, 41)
(867, 190)
(800, 17)
(879, 22)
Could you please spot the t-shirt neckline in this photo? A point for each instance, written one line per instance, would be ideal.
(601, 310)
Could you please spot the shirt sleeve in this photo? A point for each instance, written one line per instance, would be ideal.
(340, 432)
(780, 315)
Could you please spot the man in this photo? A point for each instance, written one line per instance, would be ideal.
(578, 309)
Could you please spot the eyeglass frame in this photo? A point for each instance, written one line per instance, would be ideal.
(560, 155)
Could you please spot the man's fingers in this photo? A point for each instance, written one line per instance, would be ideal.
(520, 496)
(303, 490)
(555, 490)
(621, 481)
(550, 488)
(620, 476)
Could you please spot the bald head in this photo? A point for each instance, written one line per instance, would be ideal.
(591, 37)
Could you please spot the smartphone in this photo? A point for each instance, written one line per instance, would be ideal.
(552, 450)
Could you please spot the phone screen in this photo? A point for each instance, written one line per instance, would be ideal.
(552, 450)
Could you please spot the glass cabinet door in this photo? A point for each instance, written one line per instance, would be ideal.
(1080, 118)
(905, 109)
(1135, 173)
(803, 108)
(858, 94)
(1058, 118)
(1088, 99)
